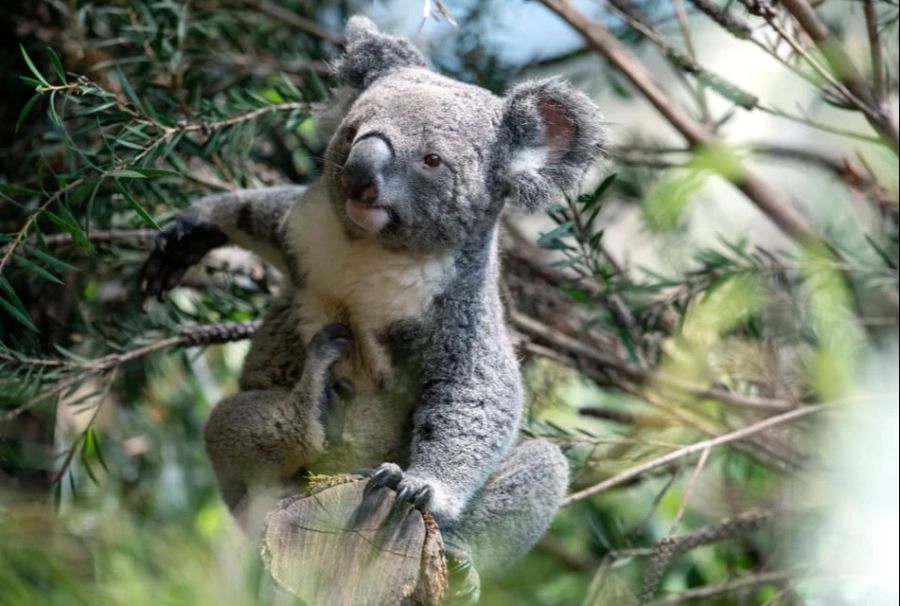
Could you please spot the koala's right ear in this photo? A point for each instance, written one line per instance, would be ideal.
(549, 135)
(370, 54)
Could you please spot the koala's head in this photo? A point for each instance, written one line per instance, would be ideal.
(426, 163)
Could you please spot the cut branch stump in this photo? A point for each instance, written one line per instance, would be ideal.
(340, 546)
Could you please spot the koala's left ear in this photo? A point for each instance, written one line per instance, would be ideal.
(549, 135)
(370, 54)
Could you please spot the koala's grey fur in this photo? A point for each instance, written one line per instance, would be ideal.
(438, 394)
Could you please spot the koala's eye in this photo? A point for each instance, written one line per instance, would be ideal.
(432, 160)
(350, 135)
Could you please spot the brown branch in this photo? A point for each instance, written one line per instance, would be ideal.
(766, 198)
(874, 49)
(844, 69)
(291, 18)
(740, 434)
(189, 337)
(701, 463)
(165, 134)
(574, 560)
(96, 236)
(670, 546)
(580, 349)
(762, 578)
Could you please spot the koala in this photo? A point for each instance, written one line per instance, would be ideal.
(386, 348)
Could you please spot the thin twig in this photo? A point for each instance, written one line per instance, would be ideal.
(700, 91)
(675, 455)
(564, 342)
(877, 63)
(70, 453)
(843, 68)
(701, 463)
(192, 336)
(291, 18)
(762, 578)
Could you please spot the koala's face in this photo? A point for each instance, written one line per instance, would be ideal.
(409, 162)
(425, 163)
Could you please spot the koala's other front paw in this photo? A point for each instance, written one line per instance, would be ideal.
(175, 249)
(410, 489)
(325, 348)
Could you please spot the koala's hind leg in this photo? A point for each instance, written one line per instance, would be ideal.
(257, 439)
(515, 507)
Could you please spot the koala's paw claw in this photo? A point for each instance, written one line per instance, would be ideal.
(410, 489)
(345, 389)
(330, 342)
(417, 497)
(175, 249)
(387, 475)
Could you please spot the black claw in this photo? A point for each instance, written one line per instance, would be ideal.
(345, 389)
(174, 251)
(331, 337)
(422, 497)
(404, 495)
(336, 332)
(385, 477)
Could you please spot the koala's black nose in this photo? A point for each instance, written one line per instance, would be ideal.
(363, 171)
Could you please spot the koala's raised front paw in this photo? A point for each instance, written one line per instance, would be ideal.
(409, 488)
(325, 348)
(175, 249)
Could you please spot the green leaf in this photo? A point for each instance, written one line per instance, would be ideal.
(562, 230)
(97, 450)
(126, 86)
(156, 172)
(31, 66)
(36, 269)
(127, 173)
(57, 64)
(597, 196)
(70, 226)
(25, 110)
(31, 81)
(51, 109)
(19, 315)
(143, 214)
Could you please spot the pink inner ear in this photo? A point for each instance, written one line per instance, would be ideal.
(559, 130)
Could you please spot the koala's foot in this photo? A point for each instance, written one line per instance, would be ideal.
(410, 489)
(464, 582)
(175, 249)
(318, 380)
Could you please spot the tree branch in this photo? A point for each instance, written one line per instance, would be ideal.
(769, 201)
(762, 578)
(675, 455)
(844, 69)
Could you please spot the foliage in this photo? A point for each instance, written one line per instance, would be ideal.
(120, 112)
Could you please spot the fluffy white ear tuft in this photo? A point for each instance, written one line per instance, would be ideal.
(549, 135)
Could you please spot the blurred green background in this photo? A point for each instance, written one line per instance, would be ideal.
(662, 308)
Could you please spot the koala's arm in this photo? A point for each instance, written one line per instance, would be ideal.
(467, 420)
(252, 219)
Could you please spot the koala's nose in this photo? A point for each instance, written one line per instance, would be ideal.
(362, 173)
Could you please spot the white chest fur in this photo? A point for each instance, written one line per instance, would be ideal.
(359, 282)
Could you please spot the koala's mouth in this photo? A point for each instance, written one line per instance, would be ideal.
(369, 217)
